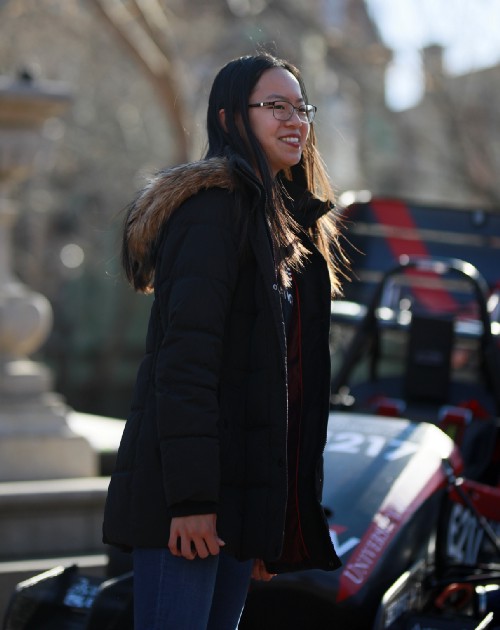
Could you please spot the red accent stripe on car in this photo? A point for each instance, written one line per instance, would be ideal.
(395, 214)
(393, 514)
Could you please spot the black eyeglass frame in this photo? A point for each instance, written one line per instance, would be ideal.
(307, 109)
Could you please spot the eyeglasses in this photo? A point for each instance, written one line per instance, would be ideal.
(283, 110)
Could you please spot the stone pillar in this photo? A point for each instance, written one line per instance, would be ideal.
(35, 439)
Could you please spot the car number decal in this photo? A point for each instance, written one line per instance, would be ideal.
(370, 445)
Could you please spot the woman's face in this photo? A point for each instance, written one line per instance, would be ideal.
(281, 140)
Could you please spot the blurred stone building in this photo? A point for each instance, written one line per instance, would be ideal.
(449, 143)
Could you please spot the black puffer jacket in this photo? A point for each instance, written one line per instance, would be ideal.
(208, 426)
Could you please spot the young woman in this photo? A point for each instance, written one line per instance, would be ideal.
(219, 472)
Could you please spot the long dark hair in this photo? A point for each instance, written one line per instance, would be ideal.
(231, 92)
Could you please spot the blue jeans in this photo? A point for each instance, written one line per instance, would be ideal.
(172, 593)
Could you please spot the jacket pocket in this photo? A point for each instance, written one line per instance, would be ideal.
(117, 511)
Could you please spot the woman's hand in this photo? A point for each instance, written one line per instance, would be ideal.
(192, 536)
(259, 571)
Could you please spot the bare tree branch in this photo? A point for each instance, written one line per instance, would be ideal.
(132, 24)
(471, 156)
(157, 23)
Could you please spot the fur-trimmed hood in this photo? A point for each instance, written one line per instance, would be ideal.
(170, 188)
(154, 205)
(165, 192)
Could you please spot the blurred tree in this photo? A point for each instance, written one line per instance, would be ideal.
(139, 107)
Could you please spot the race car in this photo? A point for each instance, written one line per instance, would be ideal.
(411, 469)
(412, 460)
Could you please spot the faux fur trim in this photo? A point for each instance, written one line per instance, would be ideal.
(165, 192)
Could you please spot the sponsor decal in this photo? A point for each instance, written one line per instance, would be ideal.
(464, 536)
(346, 545)
(417, 482)
(403, 604)
(367, 553)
